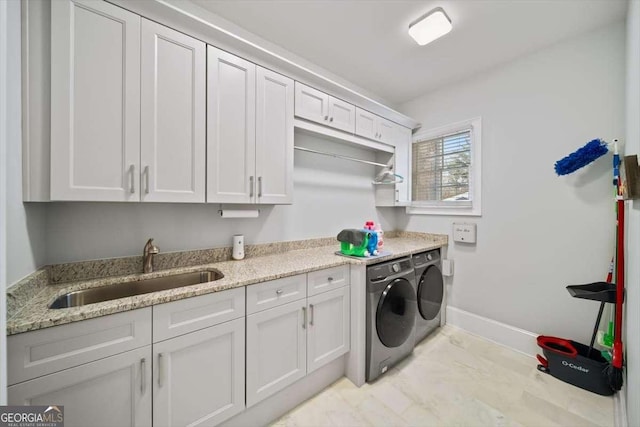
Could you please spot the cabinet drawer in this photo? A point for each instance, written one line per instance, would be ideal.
(326, 280)
(33, 354)
(276, 292)
(191, 314)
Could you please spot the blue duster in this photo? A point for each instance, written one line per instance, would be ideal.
(593, 150)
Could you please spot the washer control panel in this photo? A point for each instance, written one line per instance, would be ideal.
(426, 257)
(382, 271)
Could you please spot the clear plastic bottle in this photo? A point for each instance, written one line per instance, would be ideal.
(380, 238)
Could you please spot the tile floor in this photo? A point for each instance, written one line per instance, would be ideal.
(454, 378)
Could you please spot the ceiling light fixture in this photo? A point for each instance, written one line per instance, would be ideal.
(430, 26)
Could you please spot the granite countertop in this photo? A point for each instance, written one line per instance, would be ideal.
(33, 313)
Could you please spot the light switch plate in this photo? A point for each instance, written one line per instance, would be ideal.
(464, 233)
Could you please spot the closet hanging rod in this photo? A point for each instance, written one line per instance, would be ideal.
(337, 156)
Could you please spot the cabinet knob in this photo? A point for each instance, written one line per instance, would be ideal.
(326, 117)
(330, 119)
(279, 291)
(330, 279)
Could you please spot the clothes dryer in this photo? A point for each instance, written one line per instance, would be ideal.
(430, 292)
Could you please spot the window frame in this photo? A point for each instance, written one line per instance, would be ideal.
(474, 208)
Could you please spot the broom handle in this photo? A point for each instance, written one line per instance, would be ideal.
(595, 328)
(617, 355)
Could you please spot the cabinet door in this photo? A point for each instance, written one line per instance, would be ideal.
(231, 128)
(366, 124)
(95, 102)
(274, 137)
(115, 391)
(173, 116)
(342, 115)
(403, 165)
(311, 104)
(199, 377)
(276, 349)
(386, 131)
(329, 325)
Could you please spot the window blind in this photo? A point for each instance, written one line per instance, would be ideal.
(440, 169)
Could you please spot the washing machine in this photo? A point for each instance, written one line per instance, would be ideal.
(391, 315)
(430, 292)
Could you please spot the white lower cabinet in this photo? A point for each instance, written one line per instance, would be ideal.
(291, 340)
(328, 333)
(114, 391)
(276, 349)
(207, 361)
(199, 377)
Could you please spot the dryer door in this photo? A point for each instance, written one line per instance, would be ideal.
(396, 314)
(430, 292)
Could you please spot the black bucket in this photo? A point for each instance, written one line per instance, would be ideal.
(572, 363)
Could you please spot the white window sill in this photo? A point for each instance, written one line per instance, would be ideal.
(453, 211)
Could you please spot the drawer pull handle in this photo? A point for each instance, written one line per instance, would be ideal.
(279, 291)
(311, 314)
(143, 375)
(160, 369)
(304, 317)
(251, 186)
(132, 170)
(146, 179)
(330, 279)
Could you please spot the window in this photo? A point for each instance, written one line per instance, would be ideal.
(445, 170)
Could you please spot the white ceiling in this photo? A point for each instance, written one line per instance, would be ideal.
(366, 42)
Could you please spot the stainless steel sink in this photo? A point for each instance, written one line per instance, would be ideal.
(128, 289)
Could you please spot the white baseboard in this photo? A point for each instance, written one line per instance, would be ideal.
(500, 333)
(620, 407)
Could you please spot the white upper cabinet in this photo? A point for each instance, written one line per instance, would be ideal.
(386, 131)
(173, 72)
(274, 138)
(127, 107)
(95, 102)
(311, 104)
(398, 194)
(403, 138)
(317, 106)
(249, 132)
(369, 125)
(231, 128)
(342, 115)
(366, 124)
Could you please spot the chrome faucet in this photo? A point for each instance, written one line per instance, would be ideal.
(149, 251)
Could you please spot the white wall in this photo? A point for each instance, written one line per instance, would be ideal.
(538, 232)
(25, 222)
(633, 230)
(329, 195)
